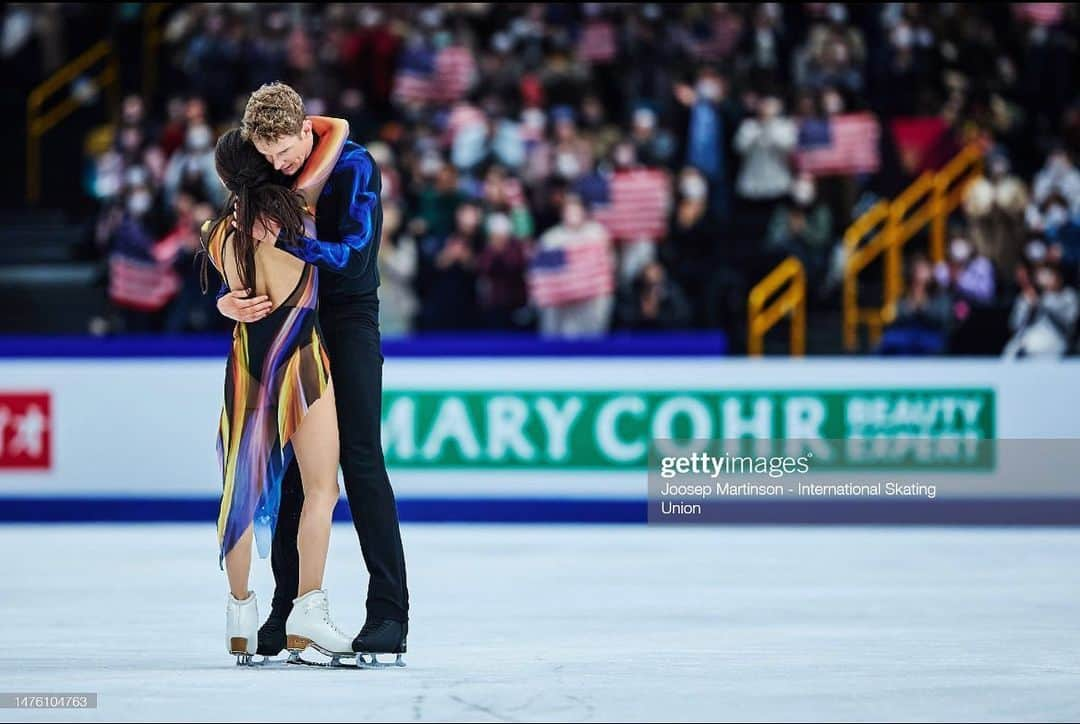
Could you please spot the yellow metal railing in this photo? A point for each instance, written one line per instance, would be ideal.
(872, 224)
(40, 121)
(152, 34)
(952, 182)
(763, 316)
(928, 201)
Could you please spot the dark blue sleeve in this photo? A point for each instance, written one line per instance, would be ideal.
(223, 291)
(357, 180)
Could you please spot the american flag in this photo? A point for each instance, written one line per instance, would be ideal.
(571, 273)
(1040, 13)
(412, 83)
(839, 145)
(724, 33)
(455, 70)
(140, 284)
(639, 203)
(425, 77)
(598, 43)
(137, 277)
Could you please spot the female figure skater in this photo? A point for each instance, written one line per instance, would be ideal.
(279, 400)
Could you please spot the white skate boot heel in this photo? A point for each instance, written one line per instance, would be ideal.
(309, 624)
(242, 628)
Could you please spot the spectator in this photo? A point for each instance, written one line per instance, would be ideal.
(710, 116)
(500, 272)
(923, 315)
(190, 310)
(803, 227)
(513, 107)
(439, 196)
(192, 168)
(589, 316)
(1044, 316)
(994, 206)
(967, 276)
(448, 269)
(397, 270)
(1058, 180)
(654, 302)
(489, 139)
(140, 284)
(654, 146)
(568, 156)
(636, 217)
(765, 142)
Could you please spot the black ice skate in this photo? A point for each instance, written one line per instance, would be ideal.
(380, 636)
(272, 633)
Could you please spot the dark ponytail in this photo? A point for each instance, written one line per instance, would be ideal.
(256, 190)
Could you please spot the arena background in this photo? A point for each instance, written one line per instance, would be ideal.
(803, 212)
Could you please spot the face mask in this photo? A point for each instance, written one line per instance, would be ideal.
(1035, 251)
(803, 192)
(960, 250)
(533, 118)
(198, 138)
(708, 89)
(567, 166)
(833, 104)
(430, 165)
(574, 215)
(693, 187)
(499, 226)
(1045, 278)
(645, 120)
(431, 17)
(903, 37)
(624, 156)
(136, 176)
(1055, 216)
(139, 203)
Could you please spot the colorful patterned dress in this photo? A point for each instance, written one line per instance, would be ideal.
(276, 370)
(278, 366)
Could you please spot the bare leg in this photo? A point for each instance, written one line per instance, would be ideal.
(238, 566)
(315, 444)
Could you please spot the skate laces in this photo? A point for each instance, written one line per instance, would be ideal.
(323, 604)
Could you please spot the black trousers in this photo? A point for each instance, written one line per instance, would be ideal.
(350, 329)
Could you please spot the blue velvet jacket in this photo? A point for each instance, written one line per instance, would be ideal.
(348, 226)
(342, 185)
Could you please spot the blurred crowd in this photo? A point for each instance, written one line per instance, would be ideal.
(513, 136)
(1014, 256)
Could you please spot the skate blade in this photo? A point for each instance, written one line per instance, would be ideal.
(244, 659)
(323, 659)
(368, 660)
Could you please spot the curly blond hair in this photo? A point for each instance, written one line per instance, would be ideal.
(273, 111)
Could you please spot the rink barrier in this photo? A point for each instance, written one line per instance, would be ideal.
(988, 511)
(659, 344)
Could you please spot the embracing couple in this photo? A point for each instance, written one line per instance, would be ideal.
(297, 246)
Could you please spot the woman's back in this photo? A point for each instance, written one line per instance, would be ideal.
(278, 274)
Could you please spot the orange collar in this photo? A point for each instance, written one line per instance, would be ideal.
(332, 133)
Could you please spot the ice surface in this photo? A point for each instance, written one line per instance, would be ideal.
(571, 623)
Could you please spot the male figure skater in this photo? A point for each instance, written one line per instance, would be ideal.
(344, 245)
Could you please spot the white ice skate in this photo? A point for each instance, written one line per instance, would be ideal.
(242, 628)
(310, 624)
